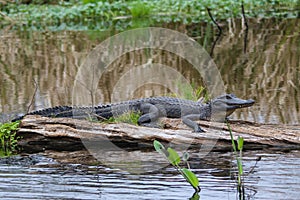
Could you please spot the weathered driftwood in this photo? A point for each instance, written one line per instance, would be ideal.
(65, 133)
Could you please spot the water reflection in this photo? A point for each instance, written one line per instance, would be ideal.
(269, 72)
(276, 176)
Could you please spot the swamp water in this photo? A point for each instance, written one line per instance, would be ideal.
(39, 68)
(276, 176)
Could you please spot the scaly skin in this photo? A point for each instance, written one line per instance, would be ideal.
(153, 108)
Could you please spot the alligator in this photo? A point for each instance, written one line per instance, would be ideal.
(153, 108)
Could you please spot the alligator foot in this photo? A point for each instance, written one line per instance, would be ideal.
(151, 125)
(198, 130)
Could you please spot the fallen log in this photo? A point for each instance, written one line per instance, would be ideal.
(41, 133)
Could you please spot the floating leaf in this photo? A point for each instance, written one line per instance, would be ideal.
(173, 156)
(191, 178)
(240, 142)
(158, 146)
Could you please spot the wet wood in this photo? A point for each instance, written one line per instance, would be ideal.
(66, 133)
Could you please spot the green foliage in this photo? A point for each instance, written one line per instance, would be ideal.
(240, 169)
(140, 9)
(238, 157)
(192, 92)
(172, 156)
(96, 1)
(8, 138)
(129, 117)
(101, 14)
(193, 180)
(240, 142)
(159, 147)
(196, 196)
(91, 1)
(201, 92)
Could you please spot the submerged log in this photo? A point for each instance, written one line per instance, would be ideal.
(40, 133)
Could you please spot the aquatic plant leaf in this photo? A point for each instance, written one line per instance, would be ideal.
(195, 196)
(173, 157)
(240, 166)
(240, 142)
(159, 147)
(191, 177)
(185, 156)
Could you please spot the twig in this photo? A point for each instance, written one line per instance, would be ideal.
(253, 167)
(31, 102)
(214, 21)
(219, 34)
(246, 25)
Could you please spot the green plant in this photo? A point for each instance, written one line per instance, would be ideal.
(95, 1)
(140, 9)
(8, 138)
(100, 14)
(238, 150)
(129, 117)
(191, 92)
(172, 156)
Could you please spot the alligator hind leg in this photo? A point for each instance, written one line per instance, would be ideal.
(150, 116)
(189, 121)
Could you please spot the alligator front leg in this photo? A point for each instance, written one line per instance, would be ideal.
(150, 116)
(189, 121)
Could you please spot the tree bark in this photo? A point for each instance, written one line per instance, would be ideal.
(40, 133)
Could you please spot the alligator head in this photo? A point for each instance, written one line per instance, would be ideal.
(228, 103)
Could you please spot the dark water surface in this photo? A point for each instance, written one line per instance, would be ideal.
(276, 176)
(46, 64)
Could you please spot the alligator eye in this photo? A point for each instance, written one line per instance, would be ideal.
(231, 96)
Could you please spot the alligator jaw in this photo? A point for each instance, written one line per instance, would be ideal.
(229, 103)
(239, 103)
